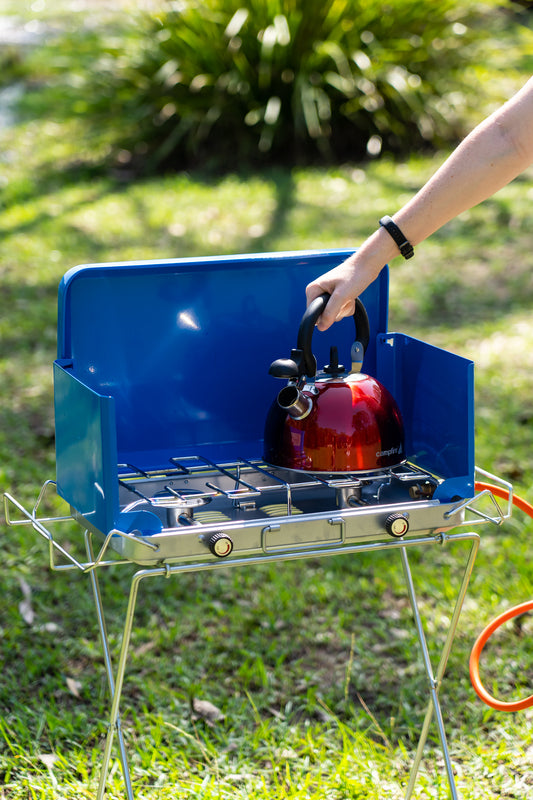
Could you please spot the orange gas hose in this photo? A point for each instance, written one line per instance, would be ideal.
(485, 635)
(523, 505)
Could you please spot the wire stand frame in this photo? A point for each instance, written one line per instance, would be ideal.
(116, 675)
(116, 679)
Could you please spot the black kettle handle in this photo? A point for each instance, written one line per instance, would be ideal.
(307, 326)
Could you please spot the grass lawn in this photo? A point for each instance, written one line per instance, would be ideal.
(321, 688)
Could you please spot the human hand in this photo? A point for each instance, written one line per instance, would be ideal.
(343, 283)
(340, 303)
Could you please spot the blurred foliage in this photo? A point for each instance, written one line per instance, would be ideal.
(11, 65)
(226, 82)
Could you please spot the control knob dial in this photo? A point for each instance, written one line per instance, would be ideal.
(397, 525)
(219, 544)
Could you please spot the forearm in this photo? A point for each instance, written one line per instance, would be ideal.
(489, 158)
(498, 150)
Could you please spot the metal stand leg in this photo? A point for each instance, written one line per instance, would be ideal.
(114, 695)
(436, 680)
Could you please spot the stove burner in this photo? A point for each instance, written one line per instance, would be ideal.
(348, 496)
(179, 505)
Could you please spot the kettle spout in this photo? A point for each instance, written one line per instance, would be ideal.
(294, 402)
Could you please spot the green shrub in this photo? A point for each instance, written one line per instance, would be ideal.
(240, 81)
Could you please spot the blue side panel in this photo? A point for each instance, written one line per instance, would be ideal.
(435, 392)
(183, 347)
(86, 452)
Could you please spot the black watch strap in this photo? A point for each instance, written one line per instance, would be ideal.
(406, 248)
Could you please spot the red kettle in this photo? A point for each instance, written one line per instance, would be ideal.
(335, 420)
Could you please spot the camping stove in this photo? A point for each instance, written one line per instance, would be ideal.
(242, 508)
(161, 390)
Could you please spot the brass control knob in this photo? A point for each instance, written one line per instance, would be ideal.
(397, 525)
(219, 544)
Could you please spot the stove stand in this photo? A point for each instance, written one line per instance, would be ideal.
(61, 559)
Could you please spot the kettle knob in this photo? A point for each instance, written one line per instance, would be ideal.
(334, 368)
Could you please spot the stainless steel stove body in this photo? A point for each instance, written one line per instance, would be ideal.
(164, 366)
(247, 508)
